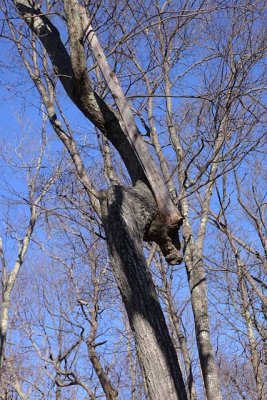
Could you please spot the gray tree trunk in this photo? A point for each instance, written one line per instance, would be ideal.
(3, 326)
(127, 212)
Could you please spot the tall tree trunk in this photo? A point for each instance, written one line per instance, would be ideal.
(193, 257)
(126, 214)
(129, 215)
(197, 284)
(179, 338)
(255, 361)
(198, 288)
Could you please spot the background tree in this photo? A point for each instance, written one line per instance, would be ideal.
(20, 229)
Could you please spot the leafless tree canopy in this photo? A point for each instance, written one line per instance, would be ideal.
(133, 238)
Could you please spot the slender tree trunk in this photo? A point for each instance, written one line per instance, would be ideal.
(126, 214)
(4, 326)
(177, 335)
(193, 254)
(251, 337)
(197, 284)
(181, 342)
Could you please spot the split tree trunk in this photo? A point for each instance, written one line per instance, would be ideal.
(129, 215)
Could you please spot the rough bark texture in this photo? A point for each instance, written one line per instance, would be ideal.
(126, 214)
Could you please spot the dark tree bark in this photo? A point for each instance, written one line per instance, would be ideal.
(126, 214)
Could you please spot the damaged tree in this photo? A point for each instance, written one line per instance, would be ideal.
(130, 215)
(192, 72)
